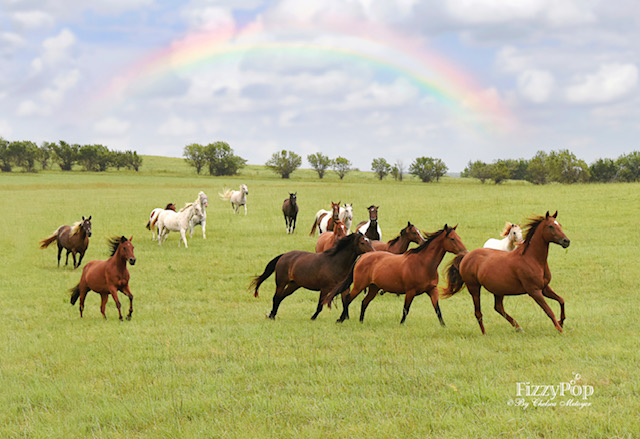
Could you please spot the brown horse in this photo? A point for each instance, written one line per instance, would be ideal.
(290, 211)
(75, 239)
(328, 239)
(370, 228)
(522, 271)
(107, 277)
(411, 273)
(400, 243)
(313, 271)
(324, 219)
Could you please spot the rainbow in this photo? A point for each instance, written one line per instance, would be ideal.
(387, 52)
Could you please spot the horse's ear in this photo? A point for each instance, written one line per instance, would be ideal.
(547, 215)
(83, 218)
(455, 227)
(89, 218)
(131, 239)
(123, 239)
(555, 215)
(408, 223)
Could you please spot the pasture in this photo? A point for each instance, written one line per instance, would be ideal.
(199, 358)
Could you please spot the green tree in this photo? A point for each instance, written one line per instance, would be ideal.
(44, 154)
(66, 155)
(604, 170)
(24, 154)
(319, 162)
(477, 169)
(380, 167)
(284, 163)
(397, 170)
(6, 157)
(94, 157)
(133, 160)
(194, 155)
(565, 167)
(499, 172)
(537, 171)
(428, 169)
(629, 165)
(341, 165)
(221, 160)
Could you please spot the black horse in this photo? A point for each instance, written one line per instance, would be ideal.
(290, 211)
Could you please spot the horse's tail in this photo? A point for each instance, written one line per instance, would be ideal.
(226, 195)
(269, 269)
(313, 228)
(148, 226)
(45, 242)
(344, 285)
(454, 279)
(75, 293)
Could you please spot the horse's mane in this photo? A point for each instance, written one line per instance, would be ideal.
(114, 243)
(75, 228)
(530, 230)
(430, 238)
(507, 229)
(186, 206)
(342, 243)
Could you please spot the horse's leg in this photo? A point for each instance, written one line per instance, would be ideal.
(281, 293)
(434, 294)
(408, 299)
(81, 256)
(127, 292)
(474, 290)
(114, 294)
(103, 304)
(373, 291)
(539, 298)
(548, 292)
(293, 222)
(83, 295)
(183, 234)
(245, 209)
(73, 253)
(204, 228)
(67, 259)
(323, 294)
(346, 300)
(499, 307)
(59, 253)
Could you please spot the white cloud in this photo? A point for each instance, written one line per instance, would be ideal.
(54, 94)
(57, 48)
(208, 18)
(177, 127)
(112, 126)
(536, 85)
(510, 59)
(609, 83)
(33, 19)
(5, 129)
(10, 41)
(29, 108)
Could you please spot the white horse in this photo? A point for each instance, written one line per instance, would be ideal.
(346, 216)
(237, 198)
(512, 237)
(177, 222)
(200, 217)
(153, 218)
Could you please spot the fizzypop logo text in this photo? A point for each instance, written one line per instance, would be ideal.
(567, 394)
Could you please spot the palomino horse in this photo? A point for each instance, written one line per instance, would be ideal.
(153, 217)
(75, 239)
(346, 215)
(201, 215)
(512, 237)
(411, 273)
(328, 239)
(370, 228)
(324, 219)
(177, 222)
(107, 277)
(237, 198)
(313, 271)
(400, 243)
(290, 211)
(522, 271)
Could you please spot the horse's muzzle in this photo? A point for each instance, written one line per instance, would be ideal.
(132, 261)
(565, 242)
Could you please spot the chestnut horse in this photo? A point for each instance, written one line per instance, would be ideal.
(324, 219)
(522, 271)
(290, 211)
(313, 271)
(107, 277)
(400, 243)
(411, 273)
(370, 228)
(328, 239)
(74, 239)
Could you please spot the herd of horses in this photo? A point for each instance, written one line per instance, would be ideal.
(345, 264)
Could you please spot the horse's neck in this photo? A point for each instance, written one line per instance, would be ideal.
(538, 249)
(432, 255)
(400, 246)
(119, 261)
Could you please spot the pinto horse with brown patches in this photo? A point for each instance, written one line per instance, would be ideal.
(324, 219)
(107, 277)
(328, 239)
(370, 228)
(522, 271)
(74, 239)
(411, 273)
(400, 243)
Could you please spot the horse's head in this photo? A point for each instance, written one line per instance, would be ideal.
(515, 234)
(127, 250)
(335, 210)
(339, 229)
(412, 233)
(293, 198)
(552, 231)
(85, 225)
(373, 212)
(452, 242)
(204, 200)
(243, 189)
(362, 243)
(348, 211)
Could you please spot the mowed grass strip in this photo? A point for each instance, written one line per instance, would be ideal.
(199, 358)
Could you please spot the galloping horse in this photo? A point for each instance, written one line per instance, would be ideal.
(237, 198)
(411, 273)
(107, 277)
(370, 228)
(313, 271)
(290, 211)
(400, 243)
(328, 239)
(346, 215)
(75, 239)
(176, 221)
(201, 215)
(512, 237)
(153, 217)
(324, 219)
(522, 271)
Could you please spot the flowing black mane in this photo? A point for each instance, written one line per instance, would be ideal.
(531, 230)
(430, 238)
(342, 243)
(114, 242)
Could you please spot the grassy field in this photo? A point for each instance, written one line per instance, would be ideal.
(199, 358)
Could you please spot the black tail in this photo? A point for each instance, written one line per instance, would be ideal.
(342, 286)
(269, 269)
(149, 225)
(454, 279)
(75, 293)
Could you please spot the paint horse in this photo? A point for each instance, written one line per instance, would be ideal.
(512, 237)
(153, 217)
(74, 239)
(237, 198)
(290, 211)
(370, 228)
(324, 219)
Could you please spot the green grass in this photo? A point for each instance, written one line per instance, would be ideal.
(199, 358)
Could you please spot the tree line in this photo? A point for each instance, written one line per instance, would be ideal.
(31, 157)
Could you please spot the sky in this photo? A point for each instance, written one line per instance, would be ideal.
(458, 80)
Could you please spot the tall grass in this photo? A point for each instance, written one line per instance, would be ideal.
(199, 358)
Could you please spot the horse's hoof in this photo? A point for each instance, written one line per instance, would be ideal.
(519, 329)
(128, 317)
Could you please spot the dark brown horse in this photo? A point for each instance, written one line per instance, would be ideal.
(400, 243)
(107, 277)
(328, 239)
(75, 239)
(370, 228)
(324, 219)
(313, 271)
(522, 271)
(411, 273)
(290, 211)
